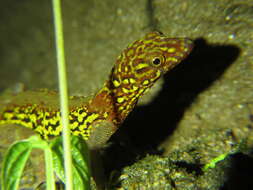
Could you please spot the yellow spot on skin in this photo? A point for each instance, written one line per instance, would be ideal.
(135, 88)
(119, 57)
(130, 52)
(74, 125)
(125, 90)
(158, 74)
(141, 66)
(125, 81)
(116, 83)
(140, 91)
(164, 48)
(76, 133)
(148, 41)
(145, 82)
(56, 131)
(132, 81)
(172, 59)
(105, 115)
(21, 116)
(185, 49)
(8, 116)
(91, 118)
(119, 69)
(81, 116)
(120, 100)
(82, 127)
(171, 50)
(121, 108)
(179, 54)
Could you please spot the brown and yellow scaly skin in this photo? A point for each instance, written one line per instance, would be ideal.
(138, 67)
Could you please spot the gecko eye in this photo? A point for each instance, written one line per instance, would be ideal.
(157, 61)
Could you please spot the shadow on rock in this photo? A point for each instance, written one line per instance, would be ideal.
(241, 172)
(147, 126)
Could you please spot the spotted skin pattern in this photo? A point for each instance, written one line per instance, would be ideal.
(136, 69)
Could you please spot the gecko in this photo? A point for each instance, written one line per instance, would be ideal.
(96, 118)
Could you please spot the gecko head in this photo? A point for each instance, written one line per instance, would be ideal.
(147, 59)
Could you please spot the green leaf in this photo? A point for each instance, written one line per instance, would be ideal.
(213, 162)
(16, 158)
(14, 163)
(81, 174)
(57, 149)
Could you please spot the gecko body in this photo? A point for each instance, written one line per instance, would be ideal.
(95, 119)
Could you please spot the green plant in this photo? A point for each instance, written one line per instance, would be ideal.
(57, 157)
(19, 152)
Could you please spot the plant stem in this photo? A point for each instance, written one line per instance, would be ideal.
(49, 169)
(63, 93)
